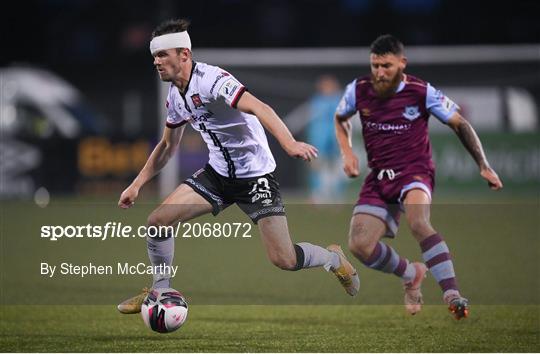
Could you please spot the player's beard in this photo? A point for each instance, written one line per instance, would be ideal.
(387, 88)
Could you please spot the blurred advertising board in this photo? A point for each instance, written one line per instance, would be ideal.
(515, 157)
(90, 165)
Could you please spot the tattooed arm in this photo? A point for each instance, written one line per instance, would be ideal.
(470, 140)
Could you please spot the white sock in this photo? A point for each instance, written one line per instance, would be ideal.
(160, 251)
(316, 256)
(448, 295)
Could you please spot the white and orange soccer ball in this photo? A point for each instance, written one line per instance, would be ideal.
(164, 310)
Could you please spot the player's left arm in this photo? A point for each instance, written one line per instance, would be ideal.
(271, 121)
(470, 140)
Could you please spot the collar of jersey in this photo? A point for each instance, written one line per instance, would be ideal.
(401, 86)
(193, 64)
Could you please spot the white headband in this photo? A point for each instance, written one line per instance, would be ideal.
(169, 41)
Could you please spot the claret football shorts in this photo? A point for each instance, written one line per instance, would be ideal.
(384, 191)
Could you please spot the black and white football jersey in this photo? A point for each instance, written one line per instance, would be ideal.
(236, 141)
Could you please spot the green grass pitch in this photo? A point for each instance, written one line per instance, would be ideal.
(275, 328)
(240, 302)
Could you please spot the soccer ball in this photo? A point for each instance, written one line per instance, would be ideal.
(164, 310)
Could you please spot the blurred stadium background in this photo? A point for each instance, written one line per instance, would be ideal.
(81, 108)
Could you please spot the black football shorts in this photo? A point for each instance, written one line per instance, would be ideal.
(258, 197)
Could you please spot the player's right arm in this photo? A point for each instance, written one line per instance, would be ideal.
(344, 137)
(159, 157)
(344, 112)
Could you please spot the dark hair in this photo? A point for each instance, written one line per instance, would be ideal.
(386, 44)
(171, 26)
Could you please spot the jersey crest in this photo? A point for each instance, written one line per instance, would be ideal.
(411, 112)
(197, 102)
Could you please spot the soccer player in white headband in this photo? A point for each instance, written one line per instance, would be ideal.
(170, 40)
(240, 168)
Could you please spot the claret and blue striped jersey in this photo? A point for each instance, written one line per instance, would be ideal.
(395, 129)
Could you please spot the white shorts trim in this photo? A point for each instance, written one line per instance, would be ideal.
(381, 213)
(411, 186)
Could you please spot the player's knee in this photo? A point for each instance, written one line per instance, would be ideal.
(283, 262)
(420, 227)
(155, 219)
(360, 246)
